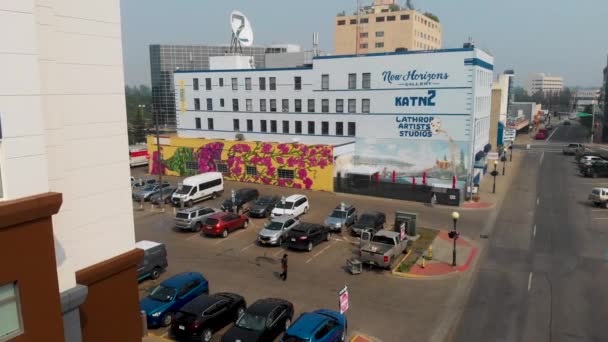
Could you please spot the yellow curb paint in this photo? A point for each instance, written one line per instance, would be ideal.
(354, 338)
(398, 264)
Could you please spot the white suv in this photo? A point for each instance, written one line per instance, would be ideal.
(294, 205)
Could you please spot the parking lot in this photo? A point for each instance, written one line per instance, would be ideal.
(380, 305)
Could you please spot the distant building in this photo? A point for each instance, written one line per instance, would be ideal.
(385, 27)
(584, 98)
(502, 90)
(544, 83)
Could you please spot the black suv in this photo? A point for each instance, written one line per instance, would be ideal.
(307, 235)
(263, 206)
(264, 320)
(598, 168)
(242, 200)
(372, 220)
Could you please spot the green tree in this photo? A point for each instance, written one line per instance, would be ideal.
(137, 128)
(394, 8)
(431, 16)
(520, 95)
(138, 118)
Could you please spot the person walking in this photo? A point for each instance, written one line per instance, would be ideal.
(284, 267)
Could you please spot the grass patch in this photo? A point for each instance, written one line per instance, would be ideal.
(418, 247)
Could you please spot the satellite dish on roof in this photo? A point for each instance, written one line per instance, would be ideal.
(242, 33)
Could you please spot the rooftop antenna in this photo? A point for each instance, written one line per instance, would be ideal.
(315, 43)
(242, 33)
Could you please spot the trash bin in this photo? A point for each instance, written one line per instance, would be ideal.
(407, 219)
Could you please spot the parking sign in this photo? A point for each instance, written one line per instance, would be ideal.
(343, 299)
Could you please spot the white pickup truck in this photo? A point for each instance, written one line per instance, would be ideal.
(599, 197)
(382, 249)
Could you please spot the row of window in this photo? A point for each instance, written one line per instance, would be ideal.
(379, 19)
(365, 45)
(271, 105)
(426, 36)
(379, 34)
(271, 126)
(297, 82)
(250, 170)
(423, 46)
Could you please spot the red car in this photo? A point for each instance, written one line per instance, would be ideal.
(541, 135)
(224, 223)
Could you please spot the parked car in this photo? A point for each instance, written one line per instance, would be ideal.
(263, 206)
(588, 160)
(154, 261)
(193, 218)
(294, 205)
(344, 215)
(170, 296)
(197, 188)
(596, 169)
(599, 197)
(572, 148)
(140, 183)
(148, 191)
(263, 321)
(318, 326)
(548, 127)
(541, 134)
(275, 232)
(224, 223)
(207, 314)
(567, 123)
(163, 196)
(306, 235)
(381, 248)
(580, 153)
(373, 220)
(242, 200)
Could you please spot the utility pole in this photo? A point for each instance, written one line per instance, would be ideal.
(592, 123)
(160, 159)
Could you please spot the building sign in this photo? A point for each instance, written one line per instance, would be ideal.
(343, 299)
(182, 96)
(417, 101)
(418, 126)
(508, 134)
(414, 78)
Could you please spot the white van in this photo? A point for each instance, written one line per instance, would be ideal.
(294, 205)
(197, 188)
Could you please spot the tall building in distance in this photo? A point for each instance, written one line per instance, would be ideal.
(386, 27)
(544, 83)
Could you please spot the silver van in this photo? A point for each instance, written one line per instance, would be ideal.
(192, 219)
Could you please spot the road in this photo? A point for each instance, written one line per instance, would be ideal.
(544, 272)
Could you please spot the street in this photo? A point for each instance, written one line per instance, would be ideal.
(543, 274)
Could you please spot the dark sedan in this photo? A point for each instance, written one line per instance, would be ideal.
(264, 320)
(242, 200)
(373, 221)
(263, 206)
(164, 197)
(207, 314)
(307, 235)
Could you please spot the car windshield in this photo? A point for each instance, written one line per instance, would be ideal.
(163, 294)
(251, 322)
(367, 219)
(287, 205)
(595, 191)
(289, 338)
(184, 190)
(338, 214)
(149, 187)
(264, 201)
(274, 226)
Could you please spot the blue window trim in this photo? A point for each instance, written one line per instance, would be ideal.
(391, 89)
(478, 62)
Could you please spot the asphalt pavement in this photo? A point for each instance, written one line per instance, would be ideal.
(543, 273)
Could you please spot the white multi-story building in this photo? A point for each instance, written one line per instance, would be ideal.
(410, 111)
(63, 129)
(544, 83)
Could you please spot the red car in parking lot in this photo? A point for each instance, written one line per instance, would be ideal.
(221, 224)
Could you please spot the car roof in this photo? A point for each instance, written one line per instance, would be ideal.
(218, 215)
(189, 210)
(346, 207)
(201, 303)
(264, 306)
(245, 190)
(180, 279)
(372, 213)
(269, 197)
(293, 198)
(306, 325)
(145, 244)
(282, 218)
(307, 226)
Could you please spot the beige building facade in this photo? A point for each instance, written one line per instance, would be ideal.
(385, 27)
(544, 83)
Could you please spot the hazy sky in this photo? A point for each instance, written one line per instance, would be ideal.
(567, 38)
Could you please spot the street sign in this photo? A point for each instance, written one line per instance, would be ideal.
(343, 299)
(402, 230)
(492, 156)
(508, 134)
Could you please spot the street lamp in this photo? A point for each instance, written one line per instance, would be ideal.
(454, 236)
(494, 174)
(511, 154)
(503, 159)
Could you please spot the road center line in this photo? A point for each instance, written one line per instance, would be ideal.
(530, 281)
(550, 135)
(534, 231)
(541, 158)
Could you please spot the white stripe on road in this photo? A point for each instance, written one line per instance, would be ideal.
(534, 231)
(601, 148)
(230, 234)
(196, 235)
(530, 281)
(247, 247)
(555, 130)
(601, 218)
(537, 200)
(319, 253)
(278, 252)
(541, 158)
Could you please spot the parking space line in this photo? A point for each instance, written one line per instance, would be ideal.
(193, 237)
(232, 234)
(278, 252)
(247, 247)
(601, 218)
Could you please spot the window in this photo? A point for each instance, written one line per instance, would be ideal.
(249, 105)
(325, 106)
(311, 105)
(236, 124)
(341, 22)
(286, 174)
(380, 34)
(365, 103)
(262, 105)
(363, 46)
(273, 105)
(353, 21)
(297, 83)
(298, 105)
(311, 127)
(298, 127)
(192, 166)
(262, 83)
(210, 124)
(380, 19)
(379, 45)
(273, 126)
(10, 312)
(325, 128)
(364, 21)
(352, 129)
(363, 35)
(235, 105)
(221, 102)
(352, 81)
(367, 80)
(208, 83)
(285, 105)
(221, 82)
(405, 17)
(339, 106)
(352, 105)
(339, 128)
(285, 126)
(263, 126)
(247, 83)
(195, 83)
(222, 167)
(197, 122)
(197, 104)
(209, 104)
(390, 18)
(273, 83)
(249, 125)
(251, 170)
(325, 82)
(235, 85)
